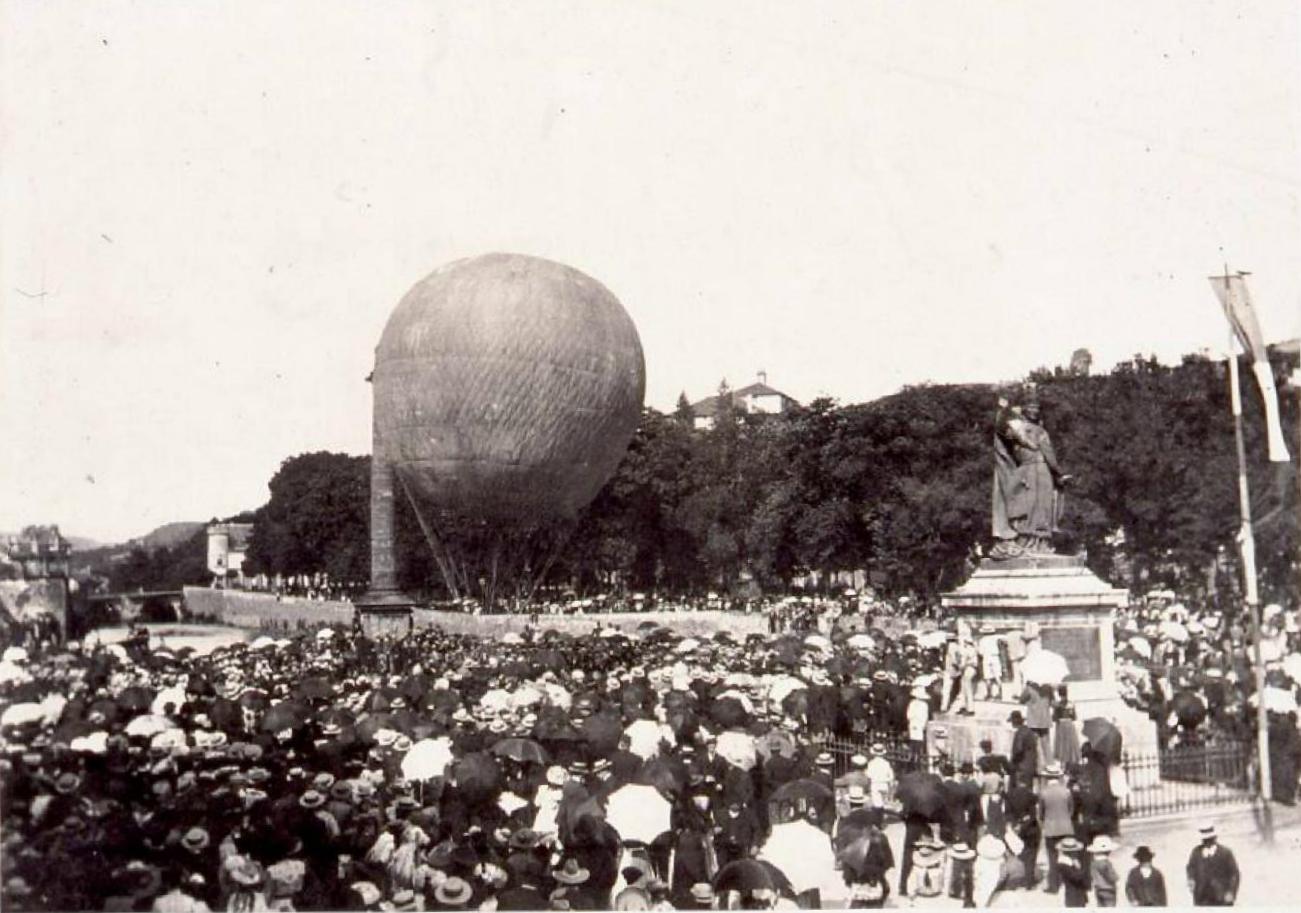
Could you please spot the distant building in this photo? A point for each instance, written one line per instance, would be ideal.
(227, 543)
(756, 399)
(34, 585)
(37, 552)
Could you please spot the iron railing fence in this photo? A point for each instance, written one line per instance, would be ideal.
(1172, 780)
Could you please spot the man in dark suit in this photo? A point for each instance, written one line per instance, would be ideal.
(971, 819)
(989, 762)
(1212, 872)
(954, 800)
(1025, 751)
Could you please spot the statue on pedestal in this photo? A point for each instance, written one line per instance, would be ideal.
(1028, 483)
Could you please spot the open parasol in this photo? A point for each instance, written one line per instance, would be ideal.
(522, 750)
(746, 876)
(427, 759)
(638, 812)
(1044, 667)
(1104, 738)
(921, 793)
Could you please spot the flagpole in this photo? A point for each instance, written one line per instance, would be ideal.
(1247, 548)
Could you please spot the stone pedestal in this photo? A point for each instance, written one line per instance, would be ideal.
(1072, 610)
(385, 613)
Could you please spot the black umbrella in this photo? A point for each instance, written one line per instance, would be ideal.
(668, 776)
(1189, 708)
(285, 715)
(809, 791)
(921, 793)
(729, 713)
(603, 731)
(224, 712)
(136, 698)
(749, 875)
(1104, 738)
(522, 750)
(478, 777)
(316, 688)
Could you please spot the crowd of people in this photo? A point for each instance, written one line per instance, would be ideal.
(628, 770)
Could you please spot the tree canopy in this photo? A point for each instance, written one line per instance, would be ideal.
(899, 487)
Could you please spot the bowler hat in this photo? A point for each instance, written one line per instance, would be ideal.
(1144, 854)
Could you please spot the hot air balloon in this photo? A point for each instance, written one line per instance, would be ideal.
(506, 390)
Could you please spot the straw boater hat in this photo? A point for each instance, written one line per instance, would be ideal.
(857, 797)
(1101, 844)
(824, 759)
(322, 782)
(1207, 829)
(878, 749)
(454, 892)
(571, 872)
(1069, 845)
(1054, 769)
(961, 851)
(405, 900)
(858, 760)
(311, 799)
(196, 839)
(926, 855)
(368, 893)
(702, 892)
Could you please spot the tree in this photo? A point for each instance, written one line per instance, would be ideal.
(317, 520)
(682, 412)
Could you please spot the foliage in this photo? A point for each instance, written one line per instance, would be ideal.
(899, 487)
(317, 520)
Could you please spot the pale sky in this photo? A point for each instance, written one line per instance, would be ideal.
(209, 209)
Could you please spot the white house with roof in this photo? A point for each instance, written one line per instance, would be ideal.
(755, 399)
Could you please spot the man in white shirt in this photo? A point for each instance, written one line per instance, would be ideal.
(919, 714)
(881, 776)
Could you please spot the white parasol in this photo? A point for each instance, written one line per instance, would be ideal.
(21, 714)
(1292, 666)
(1044, 667)
(173, 696)
(738, 748)
(645, 736)
(637, 812)
(782, 686)
(427, 759)
(1141, 646)
(1175, 631)
(804, 855)
(149, 725)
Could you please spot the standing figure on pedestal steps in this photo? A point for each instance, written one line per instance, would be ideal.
(961, 662)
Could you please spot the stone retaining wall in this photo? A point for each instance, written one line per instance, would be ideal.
(264, 611)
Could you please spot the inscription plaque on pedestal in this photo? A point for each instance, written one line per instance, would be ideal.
(1081, 647)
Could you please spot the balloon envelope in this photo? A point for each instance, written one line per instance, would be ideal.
(507, 388)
